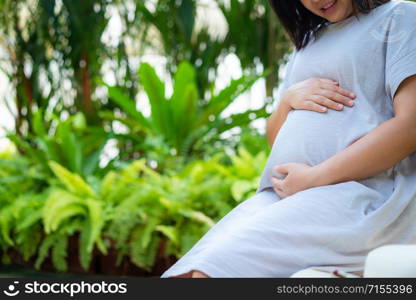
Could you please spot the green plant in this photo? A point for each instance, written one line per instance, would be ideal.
(256, 37)
(181, 206)
(21, 197)
(74, 206)
(136, 211)
(70, 143)
(179, 39)
(181, 123)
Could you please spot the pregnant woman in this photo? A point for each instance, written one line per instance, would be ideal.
(339, 182)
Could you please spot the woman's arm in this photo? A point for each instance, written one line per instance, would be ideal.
(380, 149)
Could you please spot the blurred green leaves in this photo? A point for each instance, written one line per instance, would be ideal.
(70, 143)
(133, 210)
(57, 56)
(91, 164)
(180, 120)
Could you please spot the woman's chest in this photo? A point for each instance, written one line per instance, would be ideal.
(357, 60)
(348, 56)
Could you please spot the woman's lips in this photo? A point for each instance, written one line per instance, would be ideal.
(330, 9)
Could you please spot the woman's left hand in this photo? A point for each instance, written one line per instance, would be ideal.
(299, 177)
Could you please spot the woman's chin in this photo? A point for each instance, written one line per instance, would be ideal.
(334, 18)
(337, 18)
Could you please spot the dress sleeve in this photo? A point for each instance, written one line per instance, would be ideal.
(285, 82)
(400, 50)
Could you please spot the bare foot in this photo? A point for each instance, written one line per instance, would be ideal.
(198, 274)
(184, 275)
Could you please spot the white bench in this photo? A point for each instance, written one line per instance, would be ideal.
(387, 261)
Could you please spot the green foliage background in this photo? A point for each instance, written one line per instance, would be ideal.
(176, 170)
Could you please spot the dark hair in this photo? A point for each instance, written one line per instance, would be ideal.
(301, 24)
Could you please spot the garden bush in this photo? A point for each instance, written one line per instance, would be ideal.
(133, 211)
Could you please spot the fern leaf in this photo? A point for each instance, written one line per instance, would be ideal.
(43, 252)
(71, 181)
(59, 253)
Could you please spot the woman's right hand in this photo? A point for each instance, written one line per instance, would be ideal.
(318, 94)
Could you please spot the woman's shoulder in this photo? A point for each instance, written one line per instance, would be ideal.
(392, 4)
(395, 15)
(402, 8)
(406, 9)
(404, 3)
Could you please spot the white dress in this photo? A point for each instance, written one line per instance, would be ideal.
(332, 226)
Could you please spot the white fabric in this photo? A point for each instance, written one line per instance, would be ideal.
(333, 226)
(391, 261)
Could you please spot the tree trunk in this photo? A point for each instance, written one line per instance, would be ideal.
(272, 78)
(86, 87)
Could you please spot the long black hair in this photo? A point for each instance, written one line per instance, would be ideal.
(301, 24)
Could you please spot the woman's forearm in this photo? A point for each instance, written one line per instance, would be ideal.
(276, 120)
(374, 153)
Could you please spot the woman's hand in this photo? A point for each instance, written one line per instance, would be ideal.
(299, 177)
(317, 94)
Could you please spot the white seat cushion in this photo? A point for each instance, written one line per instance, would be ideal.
(391, 261)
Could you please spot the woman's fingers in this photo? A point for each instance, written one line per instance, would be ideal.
(319, 94)
(277, 187)
(312, 105)
(340, 91)
(337, 97)
(326, 80)
(322, 101)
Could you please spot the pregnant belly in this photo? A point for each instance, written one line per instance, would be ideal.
(310, 137)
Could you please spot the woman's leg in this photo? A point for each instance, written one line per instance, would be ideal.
(233, 220)
(314, 227)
